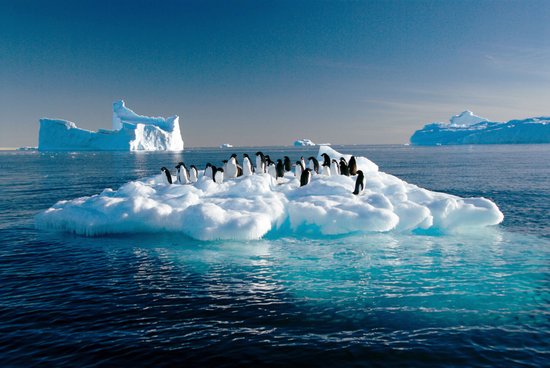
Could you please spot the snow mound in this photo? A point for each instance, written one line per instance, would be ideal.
(131, 132)
(467, 128)
(251, 207)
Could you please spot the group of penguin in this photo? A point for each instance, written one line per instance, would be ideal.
(232, 169)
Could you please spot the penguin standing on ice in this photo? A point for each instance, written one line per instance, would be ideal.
(334, 167)
(231, 167)
(279, 169)
(344, 170)
(352, 166)
(182, 174)
(193, 174)
(303, 162)
(288, 164)
(167, 175)
(218, 176)
(271, 168)
(359, 182)
(305, 178)
(313, 165)
(248, 169)
(260, 163)
(209, 170)
(299, 169)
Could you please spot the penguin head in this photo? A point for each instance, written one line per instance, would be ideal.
(326, 159)
(343, 160)
(163, 169)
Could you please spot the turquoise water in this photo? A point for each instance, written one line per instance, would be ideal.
(477, 299)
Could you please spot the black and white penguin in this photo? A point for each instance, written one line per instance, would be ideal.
(288, 164)
(352, 166)
(299, 169)
(272, 169)
(218, 175)
(344, 170)
(303, 162)
(359, 182)
(305, 178)
(231, 167)
(167, 175)
(279, 169)
(182, 174)
(313, 165)
(193, 174)
(261, 165)
(209, 170)
(334, 167)
(325, 170)
(326, 159)
(248, 169)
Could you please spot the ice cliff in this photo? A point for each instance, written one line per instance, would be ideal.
(131, 132)
(467, 128)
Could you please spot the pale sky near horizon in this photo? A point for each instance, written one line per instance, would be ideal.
(268, 72)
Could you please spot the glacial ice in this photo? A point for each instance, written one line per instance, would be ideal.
(303, 142)
(251, 207)
(467, 128)
(131, 132)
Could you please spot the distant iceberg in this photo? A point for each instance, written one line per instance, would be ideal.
(467, 128)
(251, 207)
(303, 142)
(226, 145)
(131, 132)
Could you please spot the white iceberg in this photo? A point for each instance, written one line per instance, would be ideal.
(467, 128)
(226, 145)
(303, 142)
(251, 207)
(131, 132)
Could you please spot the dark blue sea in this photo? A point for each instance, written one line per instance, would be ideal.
(472, 300)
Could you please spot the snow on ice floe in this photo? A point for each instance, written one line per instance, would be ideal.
(467, 128)
(251, 207)
(131, 132)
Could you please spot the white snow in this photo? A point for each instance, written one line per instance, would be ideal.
(250, 207)
(303, 142)
(467, 128)
(131, 132)
(465, 119)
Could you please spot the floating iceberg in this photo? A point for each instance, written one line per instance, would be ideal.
(131, 132)
(303, 142)
(251, 207)
(467, 128)
(226, 145)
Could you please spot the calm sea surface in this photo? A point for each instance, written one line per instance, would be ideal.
(479, 299)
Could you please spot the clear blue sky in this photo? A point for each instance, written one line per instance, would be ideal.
(267, 72)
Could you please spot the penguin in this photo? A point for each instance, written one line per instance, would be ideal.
(303, 162)
(313, 165)
(334, 167)
(218, 176)
(298, 169)
(288, 164)
(279, 169)
(272, 169)
(305, 178)
(344, 170)
(326, 159)
(182, 173)
(325, 170)
(231, 168)
(352, 166)
(359, 182)
(209, 170)
(248, 169)
(260, 163)
(193, 174)
(167, 175)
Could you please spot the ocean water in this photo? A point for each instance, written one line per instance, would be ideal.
(478, 299)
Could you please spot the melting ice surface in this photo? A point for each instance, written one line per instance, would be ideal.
(249, 208)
